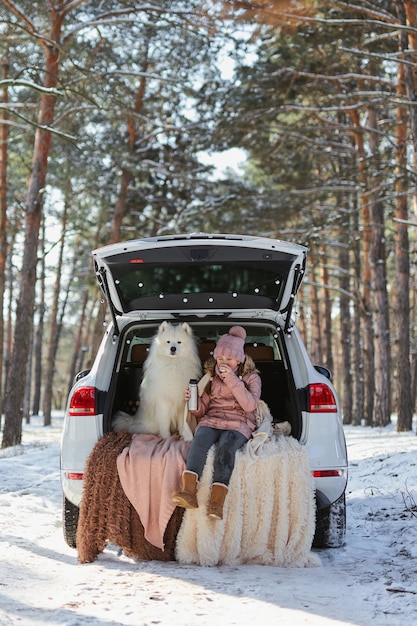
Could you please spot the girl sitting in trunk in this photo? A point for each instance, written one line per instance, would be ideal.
(225, 415)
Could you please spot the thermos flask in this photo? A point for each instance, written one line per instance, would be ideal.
(193, 401)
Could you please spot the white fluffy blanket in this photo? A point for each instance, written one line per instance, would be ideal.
(269, 511)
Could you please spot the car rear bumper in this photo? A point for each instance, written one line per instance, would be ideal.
(330, 488)
(72, 487)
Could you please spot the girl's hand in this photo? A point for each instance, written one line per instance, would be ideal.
(187, 394)
(224, 370)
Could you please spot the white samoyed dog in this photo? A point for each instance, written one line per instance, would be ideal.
(172, 360)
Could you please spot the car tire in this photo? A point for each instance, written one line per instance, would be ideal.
(70, 515)
(331, 525)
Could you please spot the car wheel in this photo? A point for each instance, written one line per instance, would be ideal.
(70, 514)
(331, 525)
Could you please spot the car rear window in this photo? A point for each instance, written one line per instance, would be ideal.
(150, 285)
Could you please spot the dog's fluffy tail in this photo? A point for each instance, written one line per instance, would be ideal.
(125, 421)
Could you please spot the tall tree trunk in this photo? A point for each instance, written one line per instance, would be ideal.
(61, 393)
(28, 382)
(382, 410)
(4, 136)
(38, 335)
(327, 317)
(358, 356)
(303, 327)
(366, 278)
(407, 14)
(78, 341)
(8, 339)
(12, 434)
(317, 343)
(346, 322)
(402, 252)
(53, 326)
(382, 407)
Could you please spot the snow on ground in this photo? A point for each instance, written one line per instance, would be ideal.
(371, 580)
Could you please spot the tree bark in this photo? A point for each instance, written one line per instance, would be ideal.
(382, 408)
(346, 334)
(407, 14)
(28, 382)
(4, 136)
(38, 337)
(317, 342)
(402, 252)
(13, 404)
(53, 328)
(327, 317)
(358, 355)
(78, 341)
(366, 279)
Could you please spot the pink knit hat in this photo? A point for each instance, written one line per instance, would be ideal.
(232, 345)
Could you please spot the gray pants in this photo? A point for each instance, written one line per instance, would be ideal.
(228, 443)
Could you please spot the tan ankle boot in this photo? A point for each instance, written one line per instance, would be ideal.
(217, 497)
(187, 497)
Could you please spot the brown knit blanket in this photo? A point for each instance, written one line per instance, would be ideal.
(107, 516)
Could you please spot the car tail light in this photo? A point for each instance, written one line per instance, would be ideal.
(83, 401)
(327, 473)
(74, 476)
(321, 399)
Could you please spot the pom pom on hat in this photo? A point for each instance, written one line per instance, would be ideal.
(232, 345)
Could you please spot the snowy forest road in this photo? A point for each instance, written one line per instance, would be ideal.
(370, 580)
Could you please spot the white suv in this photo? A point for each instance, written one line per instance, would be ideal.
(212, 282)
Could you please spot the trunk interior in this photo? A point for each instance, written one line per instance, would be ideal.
(263, 343)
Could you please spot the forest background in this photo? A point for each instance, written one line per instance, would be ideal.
(111, 115)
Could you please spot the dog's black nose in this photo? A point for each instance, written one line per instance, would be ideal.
(173, 349)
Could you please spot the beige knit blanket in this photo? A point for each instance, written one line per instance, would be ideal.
(269, 511)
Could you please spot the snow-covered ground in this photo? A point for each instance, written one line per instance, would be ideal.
(372, 580)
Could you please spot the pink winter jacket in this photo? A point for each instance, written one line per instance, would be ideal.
(231, 403)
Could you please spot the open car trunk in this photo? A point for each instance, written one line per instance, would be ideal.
(263, 344)
(212, 282)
